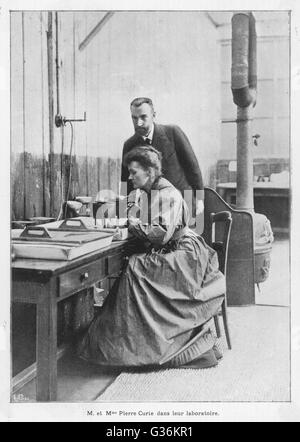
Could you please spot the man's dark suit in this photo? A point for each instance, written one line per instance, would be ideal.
(179, 163)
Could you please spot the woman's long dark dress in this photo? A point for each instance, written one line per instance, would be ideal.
(156, 313)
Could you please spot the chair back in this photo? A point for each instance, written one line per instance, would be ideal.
(220, 227)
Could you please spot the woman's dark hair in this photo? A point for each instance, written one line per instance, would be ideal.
(147, 156)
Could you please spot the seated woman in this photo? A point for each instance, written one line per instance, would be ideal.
(156, 313)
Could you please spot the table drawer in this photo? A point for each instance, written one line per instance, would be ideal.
(115, 263)
(81, 278)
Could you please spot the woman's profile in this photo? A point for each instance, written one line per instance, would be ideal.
(159, 310)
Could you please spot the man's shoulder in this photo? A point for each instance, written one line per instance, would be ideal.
(169, 129)
(130, 142)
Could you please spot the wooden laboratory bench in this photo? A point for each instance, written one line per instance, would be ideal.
(271, 199)
(45, 283)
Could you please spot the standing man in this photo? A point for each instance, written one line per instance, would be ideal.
(179, 162)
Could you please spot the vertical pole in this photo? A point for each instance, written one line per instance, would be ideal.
(24, 119)
(57, 65)
(244, 196)
(42, 116)
(86, 129)
(72, 162)
(51, 108)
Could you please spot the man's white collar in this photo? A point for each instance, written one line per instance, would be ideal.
(150, 134)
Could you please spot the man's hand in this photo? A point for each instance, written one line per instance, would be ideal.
(199, 207)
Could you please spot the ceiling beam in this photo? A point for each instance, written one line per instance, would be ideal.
(95, 31)
(211, 19)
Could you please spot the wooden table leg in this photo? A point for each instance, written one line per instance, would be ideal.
(46, 380)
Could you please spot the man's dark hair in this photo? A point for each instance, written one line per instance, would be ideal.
(141, 100)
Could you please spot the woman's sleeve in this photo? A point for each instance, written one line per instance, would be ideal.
(165, 216)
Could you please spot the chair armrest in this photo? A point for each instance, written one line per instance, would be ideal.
(218, 246)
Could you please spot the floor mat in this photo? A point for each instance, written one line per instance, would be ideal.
(257, 369)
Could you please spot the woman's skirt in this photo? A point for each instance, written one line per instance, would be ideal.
(157, 312)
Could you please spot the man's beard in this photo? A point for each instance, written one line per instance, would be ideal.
(142, 131)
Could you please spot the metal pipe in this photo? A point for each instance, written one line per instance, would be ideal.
(244, 180)
(243, 70)
(252, 79)
(243, 86)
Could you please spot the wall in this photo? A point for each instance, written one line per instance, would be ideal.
(29, 112)
(171, 56)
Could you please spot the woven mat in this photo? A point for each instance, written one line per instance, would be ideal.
(257, 369)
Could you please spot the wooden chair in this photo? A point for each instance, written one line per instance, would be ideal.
(220, 227)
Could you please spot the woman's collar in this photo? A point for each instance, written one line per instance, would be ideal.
(153, 186)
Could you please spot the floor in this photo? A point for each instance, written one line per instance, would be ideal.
(82, 382)
(77, 382)
(257, 369)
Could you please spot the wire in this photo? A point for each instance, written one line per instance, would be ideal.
(61, 172)
(70, 168)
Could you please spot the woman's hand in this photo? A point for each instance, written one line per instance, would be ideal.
(133, 221)
(200, 207)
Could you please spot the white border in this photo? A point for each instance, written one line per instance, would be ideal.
(283, 412)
